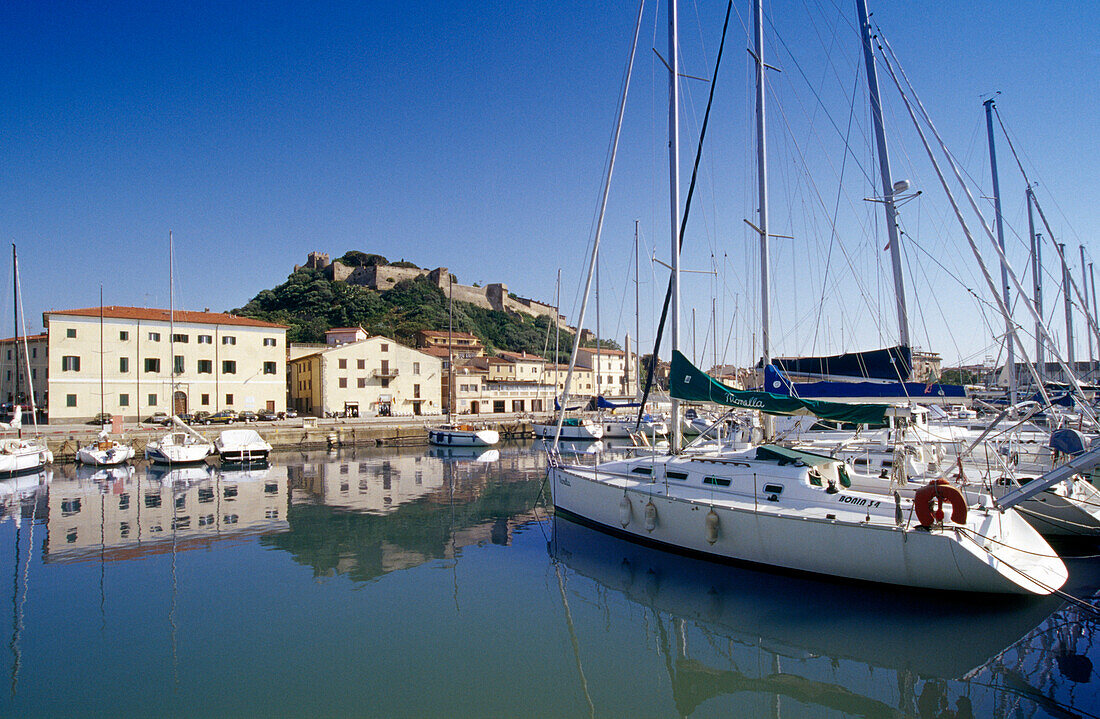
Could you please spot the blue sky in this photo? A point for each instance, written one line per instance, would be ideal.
(473, 135)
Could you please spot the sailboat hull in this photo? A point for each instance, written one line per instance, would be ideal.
(947, 558)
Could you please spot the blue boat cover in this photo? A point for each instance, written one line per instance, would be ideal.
(890, 363)
(775, 382)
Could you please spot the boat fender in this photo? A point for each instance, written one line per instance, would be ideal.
(710, 527)
(650, 516)
(936, 492)
(624, 511)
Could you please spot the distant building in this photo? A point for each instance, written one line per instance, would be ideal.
(371, 376)
(36, 349)
(463, 345)
(610, 368)
(221, 362)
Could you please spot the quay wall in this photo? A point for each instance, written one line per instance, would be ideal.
(293, 435)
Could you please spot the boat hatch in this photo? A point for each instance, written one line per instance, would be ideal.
(773, 491)
(676, 475)
(717, 481)
(642, 470)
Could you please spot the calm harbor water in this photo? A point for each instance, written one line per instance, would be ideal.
(423, 582)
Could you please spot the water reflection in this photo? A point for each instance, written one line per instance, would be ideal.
(766, 640)
(366, 513)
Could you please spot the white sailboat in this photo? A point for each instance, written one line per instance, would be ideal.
(104, 451)
(242, 446)
(797, 511)
(181, 445)
(21, 455)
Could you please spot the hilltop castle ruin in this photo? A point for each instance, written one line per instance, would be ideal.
(384, 276)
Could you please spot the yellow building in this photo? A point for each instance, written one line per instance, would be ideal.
(372, 376)
(150, 363)
(36, 350)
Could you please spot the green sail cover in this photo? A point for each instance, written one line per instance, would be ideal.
(688, 382)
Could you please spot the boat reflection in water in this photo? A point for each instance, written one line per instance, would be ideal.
(458, 454)
(759, 639)
(121, 513)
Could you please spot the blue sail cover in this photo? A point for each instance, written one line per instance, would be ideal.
(776, 383)
(891, 363)
(607, 404)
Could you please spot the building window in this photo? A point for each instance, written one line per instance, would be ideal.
(205, 400)
(269, 342)
(269, 368)
(70, 363)
(181, 338)
(152, 364)
(70, 333)
(229, 367)
(152, 400)
(123, 336)
(342, 383)
(385, 382)
(362, 382)
(70, 400)
(229, 399)
(123, 364)
(205, 340)
(416, 391)
(206, 366)
(416, 368)
(229, 340)
(342, 364)
(177, 365)
(154, 336)
(124, 400)
(385, 347)
(361, 364)
(498, 406)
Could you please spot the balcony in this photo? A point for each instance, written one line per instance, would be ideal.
(386, 373)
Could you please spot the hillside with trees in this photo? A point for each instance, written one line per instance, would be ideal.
(309, 304)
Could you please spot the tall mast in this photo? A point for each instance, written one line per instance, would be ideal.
(171, 326)
(674, 193)
(888, 190)
(1092, 281)
(599, 369)
(1037, 276)
(450, 346)
(15, 341)
(637, 320)
(1010, 327)
(101, 393)
(762, 190)
(1085, 304)
(557, 335)
(1069, 308)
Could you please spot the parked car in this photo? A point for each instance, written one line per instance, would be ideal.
(290, 414)
(267, 415)
(159, 418)
(200, 417)
(246, 415)
(186, 418)
(224, 417)
(101, 418)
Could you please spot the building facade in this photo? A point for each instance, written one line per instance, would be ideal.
(613, 377)
(147, 361)
(17, 353)
(372, 376)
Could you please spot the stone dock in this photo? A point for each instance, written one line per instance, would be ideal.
(287, 435)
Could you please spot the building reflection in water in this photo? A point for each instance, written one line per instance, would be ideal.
(369, 512)
(120, 513)
(735, 634)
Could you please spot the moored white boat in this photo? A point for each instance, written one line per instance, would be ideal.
(462, 435)
(182, 446)
(766, 506)
(104, 452)
(575, 428)
(242, 445)
(21, 456)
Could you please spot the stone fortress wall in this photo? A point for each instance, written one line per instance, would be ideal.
(382, 277)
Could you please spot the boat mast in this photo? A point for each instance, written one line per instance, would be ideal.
(888, 190)
(1085, 304)
(171, 327)
(101, 392)
(1010, 326)
(1069, 307)
(674, 193)
(1092, 281)
(1037, 273)
(762, 189)
(450, 347)
(599, 368)
(637, 321)
(15, 341)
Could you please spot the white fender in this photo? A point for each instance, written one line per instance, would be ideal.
(710, 527)
(650, 516)
(625, 511)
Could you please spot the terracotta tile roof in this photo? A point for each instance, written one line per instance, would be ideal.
(183, 316)
(454, 335)
(345, 329)
(435, 351)
(29, 338)
(520, 356)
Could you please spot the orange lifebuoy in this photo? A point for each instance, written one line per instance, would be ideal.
(937, 492)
